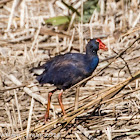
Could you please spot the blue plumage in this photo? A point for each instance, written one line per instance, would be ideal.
(66, 70)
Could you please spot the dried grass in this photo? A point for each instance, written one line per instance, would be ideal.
(107, 107)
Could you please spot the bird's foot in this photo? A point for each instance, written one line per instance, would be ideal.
(45, 117)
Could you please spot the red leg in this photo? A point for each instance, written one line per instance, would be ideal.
(60, 103)
(48, 106)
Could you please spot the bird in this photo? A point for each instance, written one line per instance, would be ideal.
(65, 70)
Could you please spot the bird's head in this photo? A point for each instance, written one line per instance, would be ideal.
(95, 44)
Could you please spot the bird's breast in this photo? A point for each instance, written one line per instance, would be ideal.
(92, 64)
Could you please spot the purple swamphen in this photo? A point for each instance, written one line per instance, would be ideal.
(66, 70)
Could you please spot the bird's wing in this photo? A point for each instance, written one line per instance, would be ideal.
(41, 68)
(61, 59)
(70, 59)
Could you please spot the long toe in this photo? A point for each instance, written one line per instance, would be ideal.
(45, 117)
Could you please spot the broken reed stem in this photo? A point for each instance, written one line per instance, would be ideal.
(119, 96)
(76, 100)
(15, 5)
(9, 116)
(29, 119)
(15, 122)
(123, 118)
(125, 63)
(15, 87)
(18, 109)
(4, 1)
(27, 90)
(131, 31)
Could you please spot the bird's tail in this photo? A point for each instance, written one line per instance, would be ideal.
(37, 70)
(42, 78)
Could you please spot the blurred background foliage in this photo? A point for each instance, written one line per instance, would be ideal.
(88, 8)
